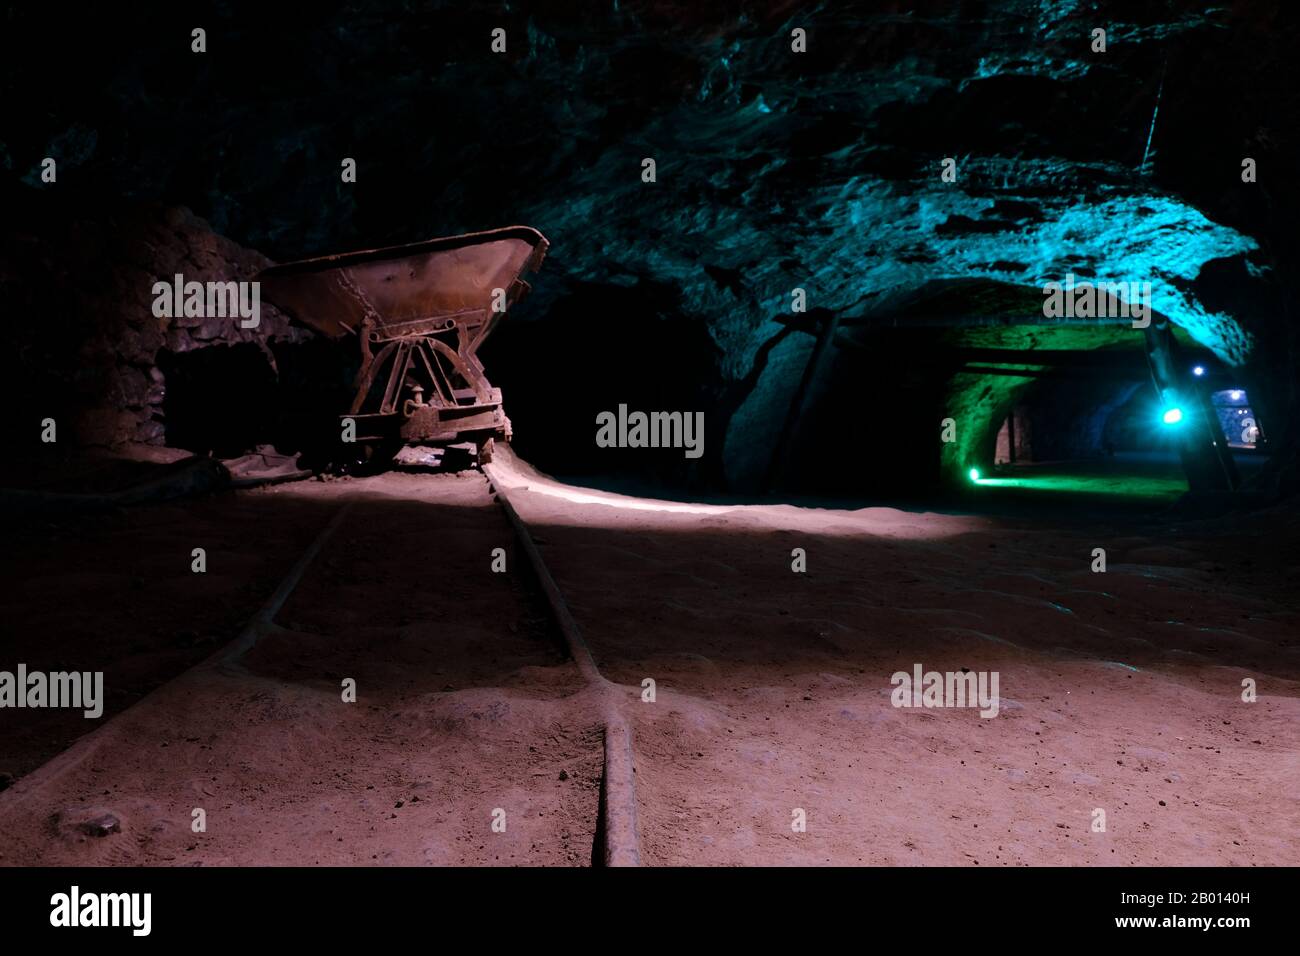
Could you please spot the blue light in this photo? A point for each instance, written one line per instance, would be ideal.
(1199, 370)
(1172, 416)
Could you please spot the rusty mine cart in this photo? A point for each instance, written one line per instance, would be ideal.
(419, 312)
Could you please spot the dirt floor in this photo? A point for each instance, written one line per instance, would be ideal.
(1120, 691)
(465, 709)
(115, 592)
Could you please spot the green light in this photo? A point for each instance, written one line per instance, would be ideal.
(1163, 487)
(974, 474)
(1172, 416)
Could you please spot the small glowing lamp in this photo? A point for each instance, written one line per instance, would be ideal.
(974, 474)
(1199, 370)
(1172, 416)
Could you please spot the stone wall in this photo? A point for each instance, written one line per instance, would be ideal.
(82, 343)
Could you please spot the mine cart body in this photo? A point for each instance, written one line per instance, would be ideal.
(420, 312)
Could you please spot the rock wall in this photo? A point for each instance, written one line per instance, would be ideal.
(775, 170)
(82, 344)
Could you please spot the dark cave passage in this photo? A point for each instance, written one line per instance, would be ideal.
(224, 400)
(218, 400)
(600, 347)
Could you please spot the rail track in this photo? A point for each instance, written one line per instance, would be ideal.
(617, 830)
(277, 655)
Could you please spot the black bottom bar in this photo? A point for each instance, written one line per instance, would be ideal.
(952, 907)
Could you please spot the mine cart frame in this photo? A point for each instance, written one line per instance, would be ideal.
(462, 403)
(420, 313)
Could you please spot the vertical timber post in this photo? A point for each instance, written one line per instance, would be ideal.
(776, 469)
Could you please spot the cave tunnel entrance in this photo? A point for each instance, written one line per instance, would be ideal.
(226, 400)
(1081, 422)
(1096, 435)
(219, 400)
(601, 347)
(1110, 433)
(1098, 409)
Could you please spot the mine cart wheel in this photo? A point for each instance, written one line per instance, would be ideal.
(485, 449)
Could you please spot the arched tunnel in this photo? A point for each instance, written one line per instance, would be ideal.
(641, 432)
(1009, 391)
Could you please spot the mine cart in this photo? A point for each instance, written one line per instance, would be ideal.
(419, 313)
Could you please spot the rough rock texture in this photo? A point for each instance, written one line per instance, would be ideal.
(90, 352)
(775, 170)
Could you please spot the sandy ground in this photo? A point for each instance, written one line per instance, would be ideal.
(1120, 691)
(115, 592)
(465, 706)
